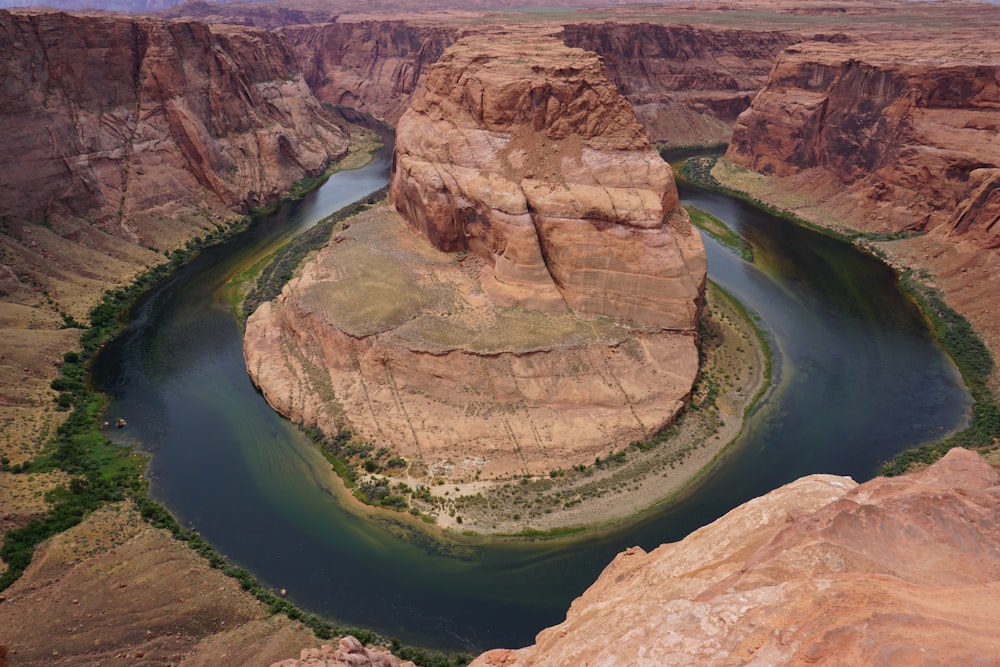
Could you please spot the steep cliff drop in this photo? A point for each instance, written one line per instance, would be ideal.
(894, 139)
(124, 139)
(555, 320)
(896, 571)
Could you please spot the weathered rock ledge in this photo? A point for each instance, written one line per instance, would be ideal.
(565, 327)
(896, 571)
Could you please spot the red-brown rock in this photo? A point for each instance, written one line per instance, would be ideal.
(896, 571)
(686, 84)
(124, 123)
(520, 151)
(904, 128)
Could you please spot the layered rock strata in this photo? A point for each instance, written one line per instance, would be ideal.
(520, 151)
(686, 84)
(555, 320)
(372, 66)
(177, 116)
(910, 131)
(899, 137)
(896, 571)
(124, 138)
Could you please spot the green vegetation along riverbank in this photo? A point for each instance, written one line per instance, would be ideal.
(954, 333)
(101, 473)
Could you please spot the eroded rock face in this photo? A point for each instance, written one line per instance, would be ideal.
(687, 85)
(896, 571)
(373, 66)
(909, 130)
(520, 151)
(132, 124)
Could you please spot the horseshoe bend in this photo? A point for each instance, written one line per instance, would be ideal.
(529, 298)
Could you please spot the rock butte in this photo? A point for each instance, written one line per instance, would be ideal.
(564, 330)
(896, 571)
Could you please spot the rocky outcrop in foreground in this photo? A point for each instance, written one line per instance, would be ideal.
(565, 327)
(896, 571)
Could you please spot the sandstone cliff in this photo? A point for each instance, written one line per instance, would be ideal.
(564, 329)
(373, 66)
(896, 571)
(521, 152)
(686, 84)
(909, 130)
(126, 124)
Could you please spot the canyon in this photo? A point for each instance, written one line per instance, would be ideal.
(115, 156)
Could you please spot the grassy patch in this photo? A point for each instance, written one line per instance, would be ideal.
(278, 272)
(976, 364)
(719, 231)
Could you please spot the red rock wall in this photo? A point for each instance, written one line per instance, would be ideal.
(373, 66)
(687, 84)
(118, 121)
(901, 125)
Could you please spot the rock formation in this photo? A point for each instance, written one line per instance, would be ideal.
(372, 66)
(896, 571)
(178, 117)
(565, 327)
(686, 84)
(525, 155)
(909, 130)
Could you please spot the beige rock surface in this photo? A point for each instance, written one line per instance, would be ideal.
(896, 571)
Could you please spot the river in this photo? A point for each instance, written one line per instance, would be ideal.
(859, 379)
